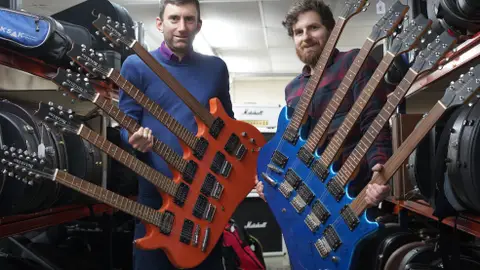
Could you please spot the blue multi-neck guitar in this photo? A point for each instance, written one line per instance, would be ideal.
(286, 189)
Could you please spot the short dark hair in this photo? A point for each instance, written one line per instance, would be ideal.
(164, 3)
(302, 6)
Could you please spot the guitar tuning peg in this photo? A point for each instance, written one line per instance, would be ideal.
(422, 40)
(37, 176)
(104, 39)
(367, 4)
(111, 45)
(69, 111)
(42, 162)
(79, 69)
(72, 63)
(364, 9)
(11, 174)
(440, 67)
(4, 171)
(71, 90)
(12, 149)
(4, 147)
(97, 33)
(83, 45)
(70, 116)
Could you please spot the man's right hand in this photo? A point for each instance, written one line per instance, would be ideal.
(142, 140)
(259, 188)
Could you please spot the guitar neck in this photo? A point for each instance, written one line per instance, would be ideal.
(106, 196)
(319, 131)
(338, 139)
(175, 85)
(369, 137)
(153, 176)
(167, 153)
(154, 109)
(401, 154)
(317, 73)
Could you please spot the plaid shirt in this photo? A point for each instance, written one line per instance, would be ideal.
(337, 68)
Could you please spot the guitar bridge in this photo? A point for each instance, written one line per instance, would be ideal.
(349, 217)
(200, 148)
(205, 239)
(275, 168)
(187, 232)
(196, 235)
(319, 210)
(292, 178)
(279, 159)
(322, 247)
(312, 222)
(220, 165)
(305, 156)
(290, 136)
(335, 189)
(285, 189)
(320, 170)
(190, 171)
(298, 203)
(181, 194)
(210, 212)
(216, 127)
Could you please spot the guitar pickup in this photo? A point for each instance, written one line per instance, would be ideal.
(305, 156)
(166, 222)
(335, 189)
(305, 193)
(210, 212)
(196, 235)
(200, 206)
(292, 178)
(220, 165)
(320, 170)
(279, 159)
(190, 171)
(298, 203)
(205, 239)
(349, 217)
(312, 222)
(290, 136)
(200, 148)
(187, 232)
(208, 183)
(275, 168)
(319, 210)
(285, 189)
(216, 127)
(322, 247)
(332, 237)
(181, 194)
(234, 147)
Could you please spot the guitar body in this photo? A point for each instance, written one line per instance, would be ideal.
(235, 189)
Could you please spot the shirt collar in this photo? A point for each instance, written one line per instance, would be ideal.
(306, 70)
(168, 54)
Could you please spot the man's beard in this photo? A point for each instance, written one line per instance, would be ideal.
(309, 58)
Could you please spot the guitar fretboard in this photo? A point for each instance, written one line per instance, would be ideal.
(167, 153)
(142, 169)
(101, 194)
(319, 131)
(338, 139)
(352, 162)
(154, 109)
(317, 73)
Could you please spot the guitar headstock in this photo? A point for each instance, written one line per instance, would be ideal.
(431, 55)
(56, 117)
(22, 165)
(90, 60)
(75, 83)
(389, 22)
(409, 38)
(463, 89)
(117, 33)
(353, 7)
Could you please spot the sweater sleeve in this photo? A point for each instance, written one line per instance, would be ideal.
(126, 103)
(224, 92)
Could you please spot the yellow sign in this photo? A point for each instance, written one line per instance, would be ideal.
(257, 123)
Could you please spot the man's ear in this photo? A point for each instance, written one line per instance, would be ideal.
(199, 26)
(159, 23)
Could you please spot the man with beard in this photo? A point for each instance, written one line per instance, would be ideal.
(204, 76)
(309, 23)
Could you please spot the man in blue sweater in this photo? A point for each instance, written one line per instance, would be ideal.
(205, 77)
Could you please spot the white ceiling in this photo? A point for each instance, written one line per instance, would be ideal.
(246, 34)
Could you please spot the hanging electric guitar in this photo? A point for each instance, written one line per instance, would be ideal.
(291, 189)
(180, 238)
(232, 144)
(350, 225)
(197, 214)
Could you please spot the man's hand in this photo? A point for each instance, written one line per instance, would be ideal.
(142, 140)
(376, 193)
(259, 188)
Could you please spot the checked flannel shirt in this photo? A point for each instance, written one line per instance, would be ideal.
(337, 67)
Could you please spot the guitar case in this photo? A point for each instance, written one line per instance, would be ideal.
(108, 8)
(464, 153)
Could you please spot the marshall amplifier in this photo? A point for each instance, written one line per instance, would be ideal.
(255, 216)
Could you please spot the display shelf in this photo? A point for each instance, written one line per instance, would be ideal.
(465, 222)
(18, 224)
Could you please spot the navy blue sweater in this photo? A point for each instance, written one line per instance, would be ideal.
(204, 76)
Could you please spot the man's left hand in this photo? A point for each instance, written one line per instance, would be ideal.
(376, 193)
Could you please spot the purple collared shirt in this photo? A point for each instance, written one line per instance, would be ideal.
(168, 54)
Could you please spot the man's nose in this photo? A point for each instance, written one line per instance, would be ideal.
(182, 25)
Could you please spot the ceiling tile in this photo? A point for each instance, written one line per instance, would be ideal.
(246, 61)
(278, 38)
(284, 60)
